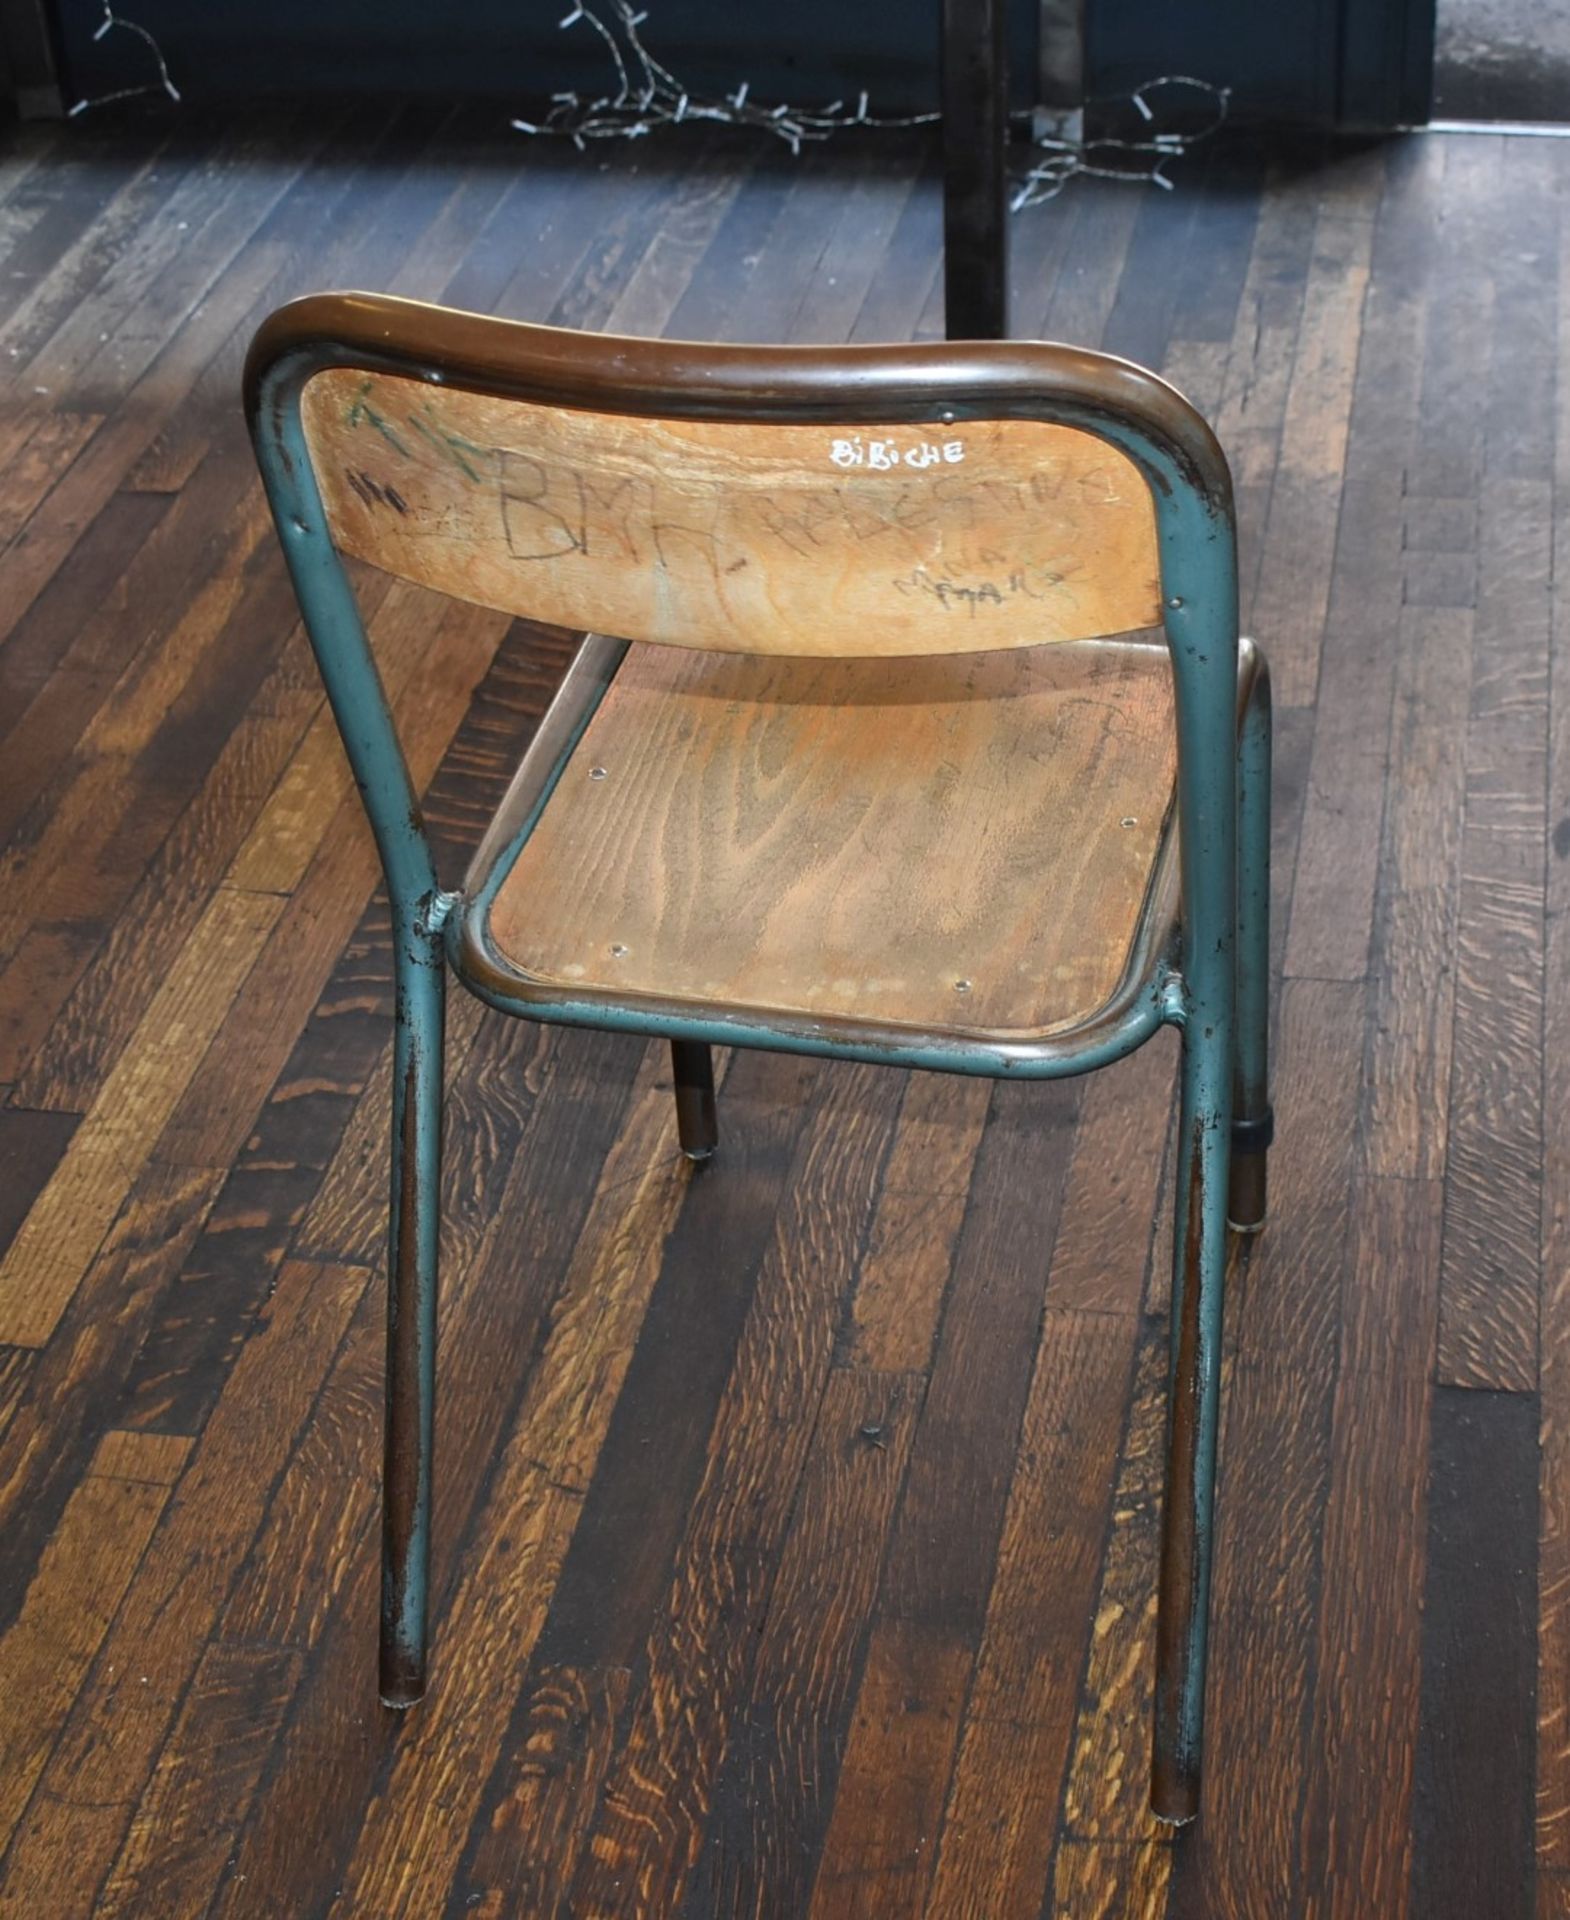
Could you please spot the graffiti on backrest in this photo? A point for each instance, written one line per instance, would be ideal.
(375, 493)
(1028, 582)
(885, 454)
(964, 539)
(551, 511)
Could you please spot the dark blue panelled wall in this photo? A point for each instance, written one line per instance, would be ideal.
(1322, 62)
(808, 51)
(1347, 63)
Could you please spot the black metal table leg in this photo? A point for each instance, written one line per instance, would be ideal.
(975, 197)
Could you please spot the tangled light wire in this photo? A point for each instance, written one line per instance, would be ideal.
(1064, 159)
(648, 95)
(161, 84)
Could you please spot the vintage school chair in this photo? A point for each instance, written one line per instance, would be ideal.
(827, 789)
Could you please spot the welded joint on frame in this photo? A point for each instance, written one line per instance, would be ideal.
(1172, 996)
(434, 913)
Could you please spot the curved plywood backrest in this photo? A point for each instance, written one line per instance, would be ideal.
(754, 537)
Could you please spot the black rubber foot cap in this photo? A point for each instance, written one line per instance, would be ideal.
(401, 1687)
(1246, 1193)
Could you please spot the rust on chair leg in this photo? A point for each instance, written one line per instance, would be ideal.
(402, 1660)
(411, 1321)
(1174, 1787)
(697, 1119)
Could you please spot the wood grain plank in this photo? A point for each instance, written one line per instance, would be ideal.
(206, 1775)
(910, 273)
(910, 1249)
(1413, 958)
(1553, 1578)
(863, 214)
(31, 1148)
(1333, 892)
(59, 438)
(1261, 1680)
(1449, 452)
(880, 1850)
(38, 650)
(73, 224)
(1553, 1626)
(16, 1370)
(1214, 272)
(323, 1506)
(558, 1753)
(282, 1168)
(703, 1631)
(775, 1787)
(178, 1349)
(998, 1825)
(1288, 1293)
(1107, 1881)
(1139, 324)
(1525, 190)
(66, 1225)
(1415, 274)
(1106, 1796)
(878, 1856)
(220, 1100)
(1103, 1248)
(689, 219)
(92, 1021)
(1087, 282)
(1291, 604)
(330, 1109)
(1249, 411)
(653, 1458)
(286, 255)
(1357, 1810)
(370, 164)
(70, 1397)
(63, 854)
(152, 287)
(1489, 1286)
(73, 1597)
(94, 1779)
(295, 1846)
(1493, 1181)
(1472, 1824)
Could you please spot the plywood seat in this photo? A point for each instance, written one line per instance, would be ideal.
(961, 842)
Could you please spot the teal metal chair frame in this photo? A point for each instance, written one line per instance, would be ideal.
(1206, 972)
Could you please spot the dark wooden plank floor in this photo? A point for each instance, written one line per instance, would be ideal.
(796, 1543)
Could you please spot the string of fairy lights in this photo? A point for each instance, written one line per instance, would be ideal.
(642, 96)
(113, 22)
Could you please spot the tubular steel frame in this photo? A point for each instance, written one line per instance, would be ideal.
(1200, 961)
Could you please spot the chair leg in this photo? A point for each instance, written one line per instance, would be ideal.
(1199, 1264)
(411, 1315)
(697, 1122)
(1253, 1125)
